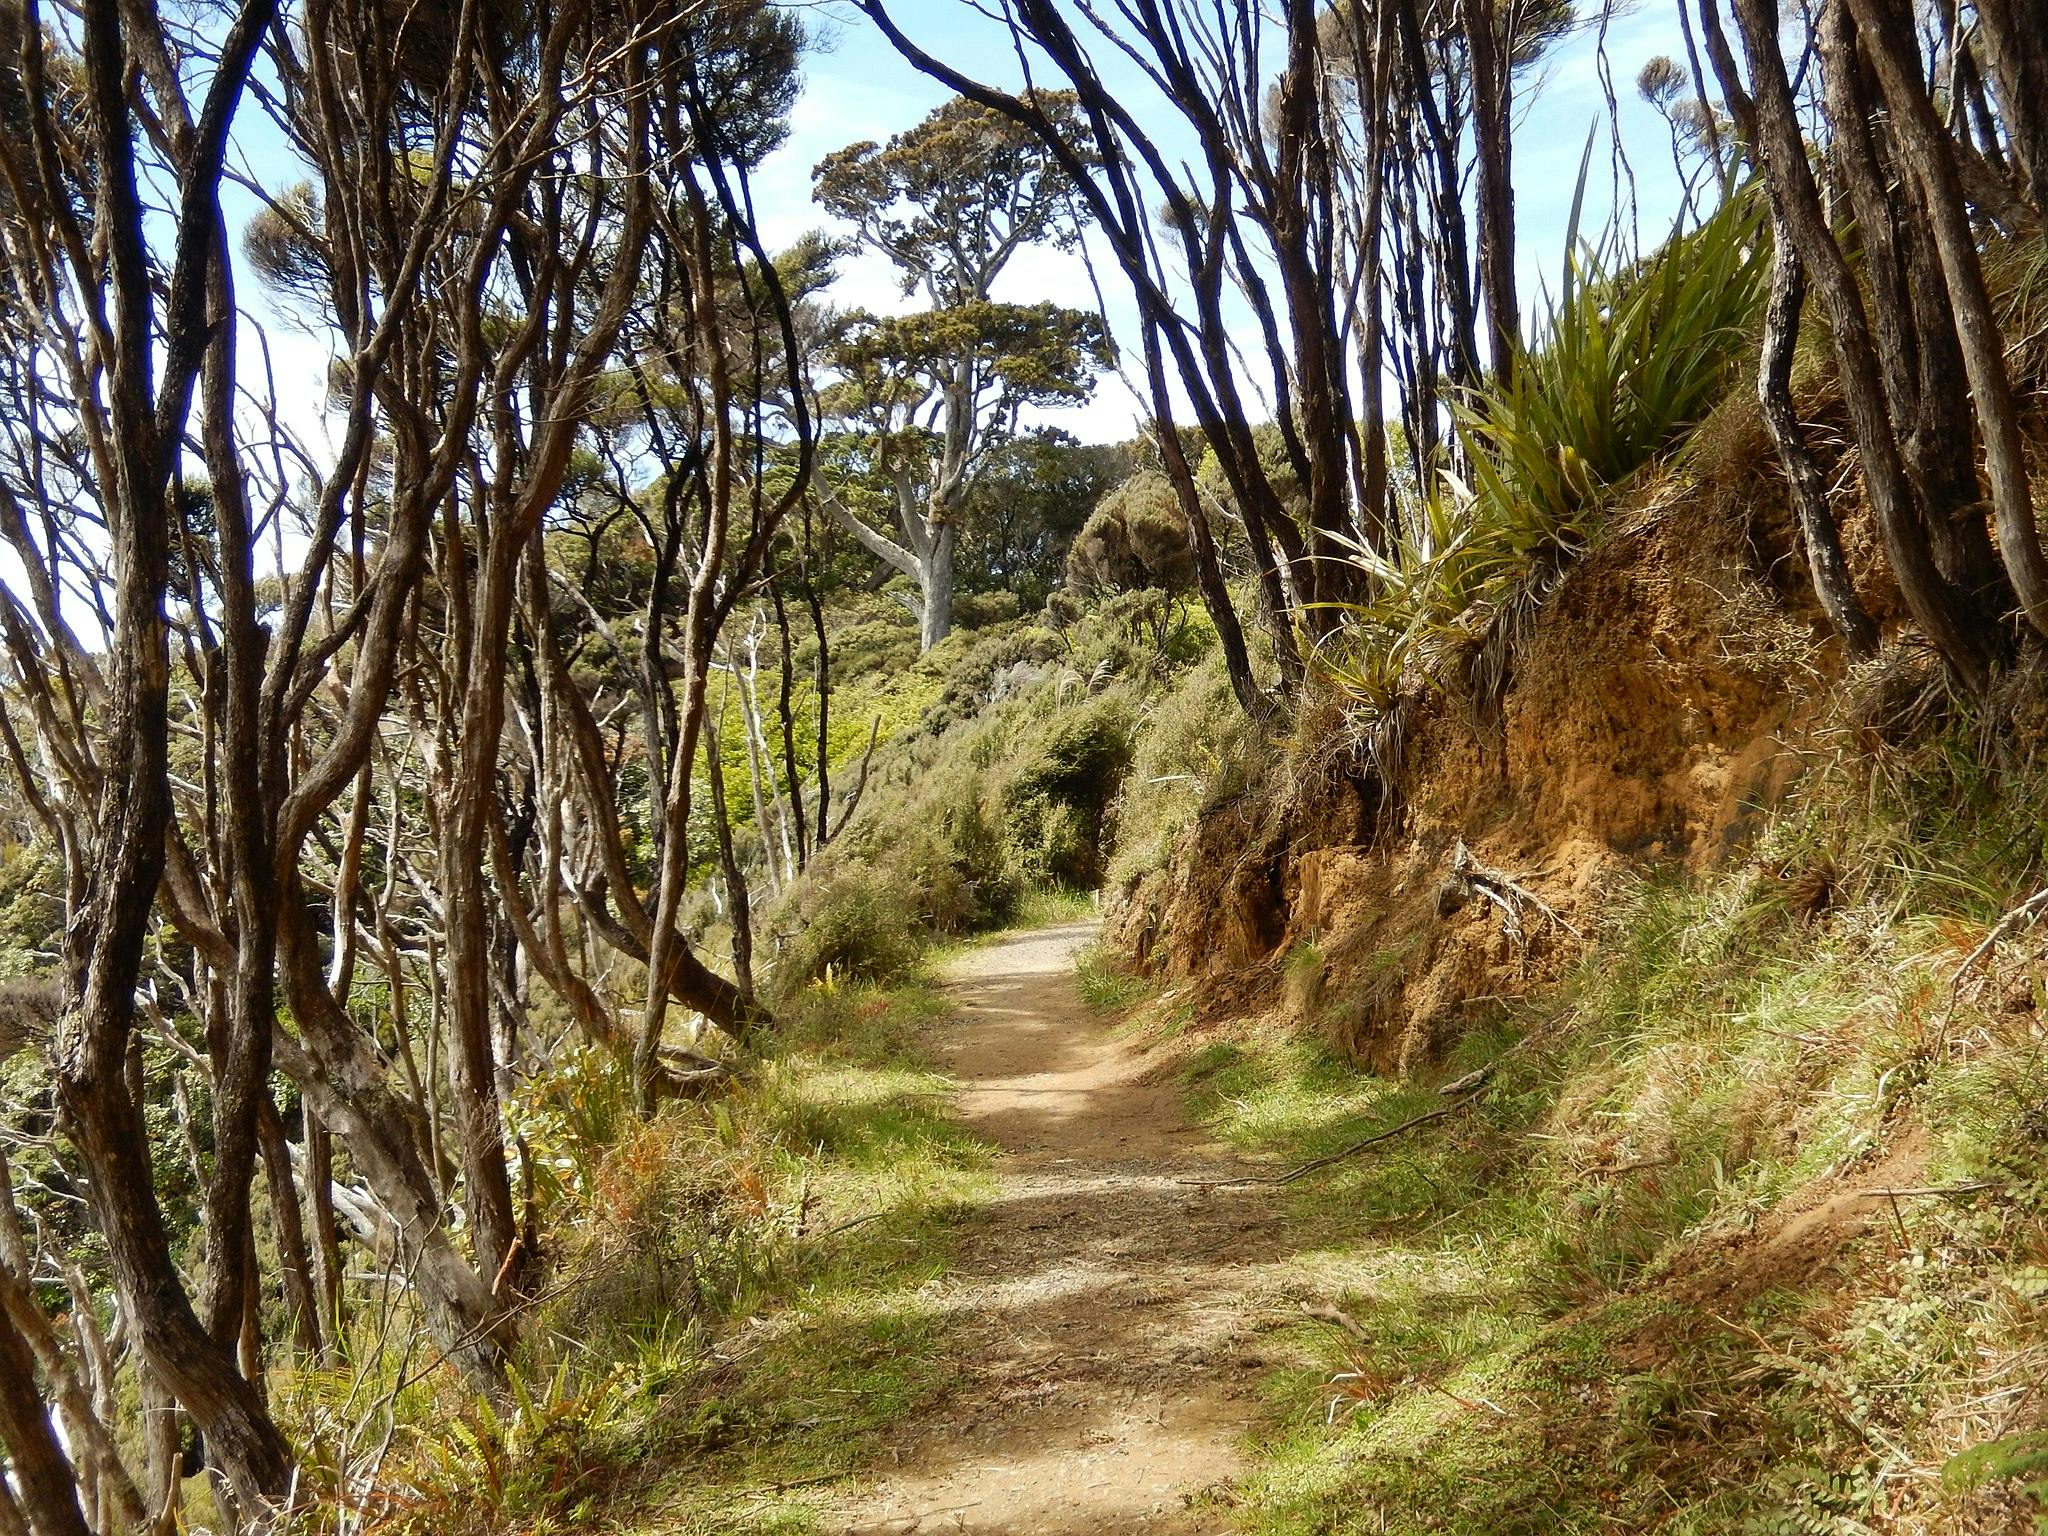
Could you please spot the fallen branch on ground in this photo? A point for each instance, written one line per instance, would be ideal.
(2026, 912)
(1315, 1163)
(1325, 1312)
(1940, 1191)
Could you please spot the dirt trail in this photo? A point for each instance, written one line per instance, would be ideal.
(1108, 1311)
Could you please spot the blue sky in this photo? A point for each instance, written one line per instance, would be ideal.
(857, 87)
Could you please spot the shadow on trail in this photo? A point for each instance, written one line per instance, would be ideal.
(1106, 1313)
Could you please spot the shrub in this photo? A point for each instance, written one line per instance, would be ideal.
(1056, 801)
(1196, 749)
(855, 920)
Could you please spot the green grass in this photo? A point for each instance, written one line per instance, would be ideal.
(855, 1338)
(1549, 1349)
(745, 1294)
(1108, 985)
(1049, 906)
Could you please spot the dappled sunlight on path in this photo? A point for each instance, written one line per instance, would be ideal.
(1108, 1312)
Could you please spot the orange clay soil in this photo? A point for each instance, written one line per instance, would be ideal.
(1107, 1355)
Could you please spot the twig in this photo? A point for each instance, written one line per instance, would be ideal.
(1325, 1312)
(845, 1226)
(2026, 912)
(1315, 1163)
(795, 1482)
(1638, 1165)
(1941, 1191)
(1479, 1075)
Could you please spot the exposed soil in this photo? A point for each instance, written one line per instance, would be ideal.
(1107, 1311)
(1646, 717)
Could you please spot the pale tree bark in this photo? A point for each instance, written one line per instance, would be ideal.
(1808, 486)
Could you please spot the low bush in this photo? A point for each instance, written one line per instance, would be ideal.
(1056, 799)
(1634, 356)
(850, 918)
(1196, 749)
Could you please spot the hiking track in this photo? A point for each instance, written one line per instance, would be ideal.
(1107, 1313)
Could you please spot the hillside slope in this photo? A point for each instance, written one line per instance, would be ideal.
(1695, 991)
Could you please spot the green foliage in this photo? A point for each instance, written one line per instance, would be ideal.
(1033, 495)
(1028, 354)
(740, 1297)
(1590, 1304)
(1107, 984)
(1633, 356)
(1135, 539)
(2020, 1458)
(1014, 786)
(31, 910)
(1056, 799)
(1194, 750)
(949, 199)
(859, 922)
(539, 1460)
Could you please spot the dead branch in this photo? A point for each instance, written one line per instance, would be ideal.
(2027, 912)
(1469, 877)
(1315, 1163)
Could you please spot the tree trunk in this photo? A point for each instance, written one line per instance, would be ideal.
(1493, 145)
(468, 793)
(320, 1208)
(935, 581)
(738, 899)
(1885, 33)
(38, 1463)
(302, 1307)
(1808, 485)
(341, 1079)
(2015, 36)
(1800, 219)
(1916, 337)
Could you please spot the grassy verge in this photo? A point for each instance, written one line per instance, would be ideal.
(744, 1294)
(1632, 1284)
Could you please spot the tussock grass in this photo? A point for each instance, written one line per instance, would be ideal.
(740, 1299)
(1107, 984)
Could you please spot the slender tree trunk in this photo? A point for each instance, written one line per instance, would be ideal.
(1493, 144)
(822, 683)
(1801, 219)
(49, 1496)
(326, 1240)
(1886, 35)
(1924, 377)
(467, 795)
(1831, 584)
(786, 712)
(302, 1306)
(738, 898)
(1237, 661)
(2015, 36)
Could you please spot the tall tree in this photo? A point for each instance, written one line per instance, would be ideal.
(933, 394)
